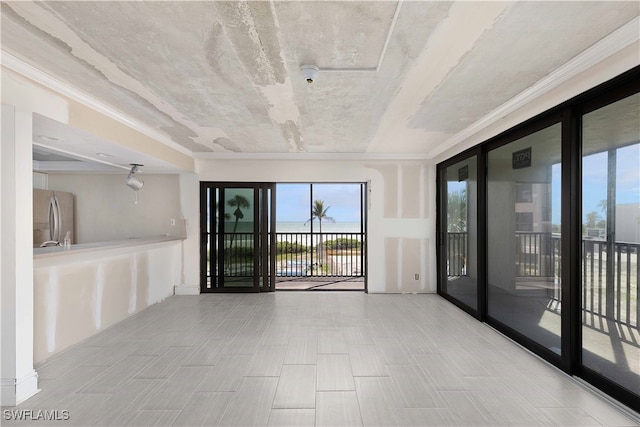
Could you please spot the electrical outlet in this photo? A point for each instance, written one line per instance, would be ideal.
(417, 276)
(172, 221)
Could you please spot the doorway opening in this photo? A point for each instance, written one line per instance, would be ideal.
(321, 236)
(258, 237)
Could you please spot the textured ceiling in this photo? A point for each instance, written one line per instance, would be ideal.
(225, 76)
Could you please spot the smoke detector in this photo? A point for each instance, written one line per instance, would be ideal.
(310, 73)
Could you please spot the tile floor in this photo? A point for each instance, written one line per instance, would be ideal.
(309, 358)
(320, 283)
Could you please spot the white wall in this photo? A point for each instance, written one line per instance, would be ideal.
(18, 379)
(20, 99)
(106, 209)
(78, 294)
(628, 223)
(401, 213)
(190, 204)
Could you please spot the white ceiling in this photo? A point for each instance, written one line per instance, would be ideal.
(395, 77)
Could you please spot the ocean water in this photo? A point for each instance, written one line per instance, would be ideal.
(299, 227)
(327, 227)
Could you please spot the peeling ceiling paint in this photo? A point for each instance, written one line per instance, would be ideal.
(224, 76)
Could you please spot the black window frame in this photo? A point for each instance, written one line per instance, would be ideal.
(569, 114)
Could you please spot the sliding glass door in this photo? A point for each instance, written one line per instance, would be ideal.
(236, 237)
(611, 242)
(524, 237)
(458, 267)
(557, 203)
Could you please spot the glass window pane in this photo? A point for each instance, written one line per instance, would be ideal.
(238, 237)
(611, 242)
(523, 218)
(460, 222)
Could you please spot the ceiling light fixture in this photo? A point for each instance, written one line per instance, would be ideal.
(104, 155)
(310, 73)
(133, 182)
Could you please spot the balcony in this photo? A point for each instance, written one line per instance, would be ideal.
(532, 303)
(537, 260)
(300, 254)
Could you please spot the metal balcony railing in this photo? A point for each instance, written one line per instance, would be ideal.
(610, 278)
(610, 275)
(299, 254)
(457, 254)
(320, 254)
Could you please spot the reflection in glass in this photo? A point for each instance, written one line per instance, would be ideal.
(611, 242)
(523, 217)
(238, 237)
(461, 231)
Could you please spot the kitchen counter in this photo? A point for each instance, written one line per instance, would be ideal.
(83, 289)
(116, 245)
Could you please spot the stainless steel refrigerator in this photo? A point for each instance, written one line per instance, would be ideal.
(52, 217)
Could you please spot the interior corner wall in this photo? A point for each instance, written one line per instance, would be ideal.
(190, 206)
(18, 379)
(400, 215)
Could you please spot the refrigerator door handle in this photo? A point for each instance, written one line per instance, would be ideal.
(54, 219)
(50, 216)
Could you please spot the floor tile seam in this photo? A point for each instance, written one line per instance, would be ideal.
(261, 376)
(166, 409)
(371, 376)
(105, 373)
(476, 403)
(357, 402)
(295, 407)
(552, 421)
(332, 390)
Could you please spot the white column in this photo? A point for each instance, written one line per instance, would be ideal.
(18, 379)
(190, 204)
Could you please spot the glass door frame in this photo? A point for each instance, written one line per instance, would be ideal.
(606, 95)
(264, 207)
(569, 114)
(568, 286)
(441, 232)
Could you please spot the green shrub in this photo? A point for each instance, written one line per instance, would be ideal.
(290, 248)
(241, 251)
(342, 243)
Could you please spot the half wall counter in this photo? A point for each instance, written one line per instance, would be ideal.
(84, 289)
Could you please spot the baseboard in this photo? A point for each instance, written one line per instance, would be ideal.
(186, 290)
(15, 391)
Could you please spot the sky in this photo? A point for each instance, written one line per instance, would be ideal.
(594, 172)
(594, 177)
(594, 181)
(293, 201)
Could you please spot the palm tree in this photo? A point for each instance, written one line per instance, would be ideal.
(592, 219)
(602, 204)
(319, 212)
(239, 202)
(457, 211)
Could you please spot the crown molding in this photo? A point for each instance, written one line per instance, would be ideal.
(311, 156)
(598, 52)
(26, 70)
